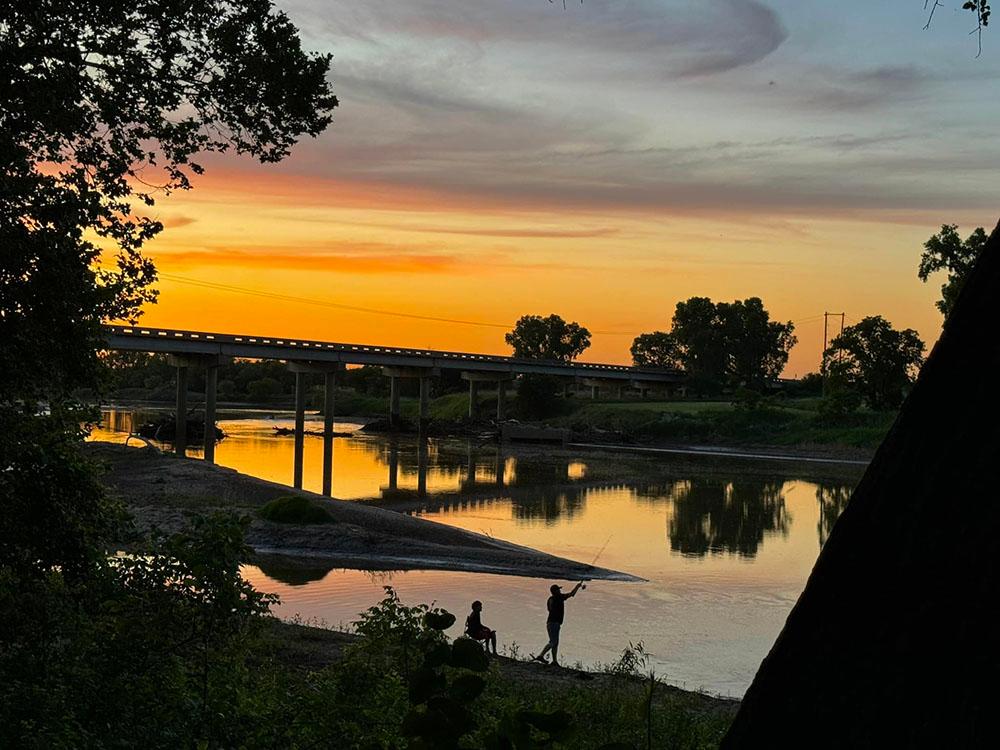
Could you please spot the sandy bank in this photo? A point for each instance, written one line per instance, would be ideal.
(162, 490)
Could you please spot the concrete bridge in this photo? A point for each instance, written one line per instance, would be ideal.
(188, 349)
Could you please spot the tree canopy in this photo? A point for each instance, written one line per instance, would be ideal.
(733, 343)
(946, 251)
(535, 337)
(876, 360)
(656, 349)
(106, 105)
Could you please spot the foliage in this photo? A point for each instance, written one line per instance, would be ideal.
(55, 514)
(877, 360)
(656, 349)
(733, 343)
(535, 337)
(748, 398)
(149, 651)
(105, 105)
(946, 251)
(536, 396)
(294, 509)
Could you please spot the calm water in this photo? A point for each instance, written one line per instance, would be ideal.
(725, 549)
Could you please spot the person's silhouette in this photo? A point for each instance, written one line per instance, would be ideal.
(557, 610)
(475, 629)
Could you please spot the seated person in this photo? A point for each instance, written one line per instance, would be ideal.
(475, 629)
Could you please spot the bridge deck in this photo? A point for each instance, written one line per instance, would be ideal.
(172, 341)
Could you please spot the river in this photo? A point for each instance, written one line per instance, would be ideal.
(725, 546)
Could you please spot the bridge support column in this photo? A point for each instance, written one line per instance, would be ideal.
(396, 375)
(300, 427)
(501, 400)
(393, 402)
(473, 398)
(180, 425)
(183, 363)
(211, 387)
(499, 379)
(595, 387)
(425, 397)
(329, 388)
(329, 371)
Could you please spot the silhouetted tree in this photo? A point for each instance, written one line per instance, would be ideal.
(535, 337)
(656, 349)
(877, 360)
(945, 251)
(756, 346)
(730, 342)
(104, 106)
(700, 337)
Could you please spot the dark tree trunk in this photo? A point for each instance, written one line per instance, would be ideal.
(895, 641)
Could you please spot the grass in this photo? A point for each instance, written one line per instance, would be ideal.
(784, 423)
(294, 509)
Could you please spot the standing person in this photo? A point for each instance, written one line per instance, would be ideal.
(475, 629)
(557, 610)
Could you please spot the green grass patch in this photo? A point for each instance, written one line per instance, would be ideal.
(294, 509)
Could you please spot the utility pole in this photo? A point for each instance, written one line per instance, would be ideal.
(826, 341)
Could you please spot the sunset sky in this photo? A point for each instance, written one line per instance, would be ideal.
(492, 158)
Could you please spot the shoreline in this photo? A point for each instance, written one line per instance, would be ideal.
(309, 647)
(162, 491)
(818, 453)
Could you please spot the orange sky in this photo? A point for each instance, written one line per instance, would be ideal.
(619, 274)
(467, 176)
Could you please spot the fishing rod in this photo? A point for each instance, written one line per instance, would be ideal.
(597, 557)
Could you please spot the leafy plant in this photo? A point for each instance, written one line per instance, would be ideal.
(295, 509)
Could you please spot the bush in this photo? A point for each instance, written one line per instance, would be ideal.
(295, 509)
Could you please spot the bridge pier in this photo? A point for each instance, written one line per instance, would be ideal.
(182, 363)
(395, 374)
(476, 379)
(180, 417)
(595, 387)
(329, 371)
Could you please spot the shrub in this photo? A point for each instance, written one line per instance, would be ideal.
(294, 509)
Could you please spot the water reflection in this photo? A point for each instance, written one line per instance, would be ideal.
(725, 552)
(704, 515)
(713, 516)
(292, 572)
(832, 499)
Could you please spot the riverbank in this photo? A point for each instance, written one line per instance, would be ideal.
(695, 719)
(163, 491)
(792, 426)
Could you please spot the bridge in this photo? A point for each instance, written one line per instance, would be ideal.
(186, 349)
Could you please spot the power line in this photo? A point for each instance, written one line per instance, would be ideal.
(354, 308)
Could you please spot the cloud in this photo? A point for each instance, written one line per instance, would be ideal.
(330, 262)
